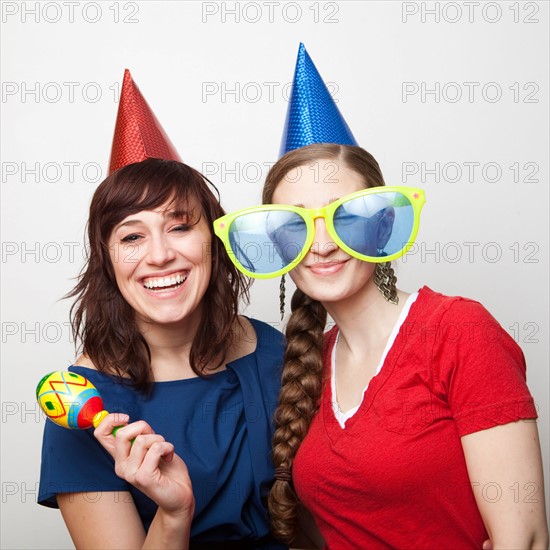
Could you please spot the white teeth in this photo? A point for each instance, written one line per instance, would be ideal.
(163, 282)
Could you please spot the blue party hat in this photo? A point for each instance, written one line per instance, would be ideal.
(312, 115)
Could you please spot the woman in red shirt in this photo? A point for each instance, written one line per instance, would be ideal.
(409, 424)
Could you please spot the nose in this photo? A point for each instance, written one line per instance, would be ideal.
(323, 245)
(160, 251)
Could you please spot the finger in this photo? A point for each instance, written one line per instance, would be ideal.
(104, 432)
(487, 545)
(125, 437)
(168, 457)
(131, 431)
(160, 450)
(110, 422)
(129, 458)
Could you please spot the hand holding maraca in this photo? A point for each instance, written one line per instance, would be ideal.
(147, 461)
(142, 458)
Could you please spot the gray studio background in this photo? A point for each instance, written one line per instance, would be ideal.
(448, 96)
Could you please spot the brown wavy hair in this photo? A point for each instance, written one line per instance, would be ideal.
(101, 318)
(302, 379)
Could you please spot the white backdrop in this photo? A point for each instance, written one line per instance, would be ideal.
(448, 96)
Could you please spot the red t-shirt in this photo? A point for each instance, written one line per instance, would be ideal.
(396, 476)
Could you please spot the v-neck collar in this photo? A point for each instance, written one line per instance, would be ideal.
(332, 426)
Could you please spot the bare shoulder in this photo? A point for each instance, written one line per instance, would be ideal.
(84, 361)
(245, 340)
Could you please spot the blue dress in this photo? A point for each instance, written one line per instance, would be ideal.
(221, 426)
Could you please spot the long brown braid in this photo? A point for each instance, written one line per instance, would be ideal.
(302, 379)
(298, 402)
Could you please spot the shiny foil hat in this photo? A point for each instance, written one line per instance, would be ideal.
(138, 133)
(312, 115)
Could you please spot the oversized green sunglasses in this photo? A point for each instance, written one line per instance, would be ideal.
(377, 225)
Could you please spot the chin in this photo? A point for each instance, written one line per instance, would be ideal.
(328, 292)
(332, 297)
(166, 318)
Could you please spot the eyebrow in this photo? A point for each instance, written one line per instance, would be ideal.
(330, 201)
(128, 222)
(171, 215)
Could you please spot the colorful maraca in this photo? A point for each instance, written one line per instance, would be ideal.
(70, 400)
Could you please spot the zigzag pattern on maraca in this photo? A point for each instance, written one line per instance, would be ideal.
(70, 400)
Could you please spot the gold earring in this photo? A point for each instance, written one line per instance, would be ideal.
(385, 279)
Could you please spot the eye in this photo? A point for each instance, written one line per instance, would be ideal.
(342, 217)
(181, 228)
(132, 238)
(294, 226)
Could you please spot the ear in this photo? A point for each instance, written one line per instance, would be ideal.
(385, 226)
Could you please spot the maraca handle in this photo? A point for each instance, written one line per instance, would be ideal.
(100, 416)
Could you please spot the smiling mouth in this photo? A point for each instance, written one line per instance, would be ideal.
(157, 284)
(326, 268)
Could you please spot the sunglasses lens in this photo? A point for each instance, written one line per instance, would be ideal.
(265, 242)
(375, 225)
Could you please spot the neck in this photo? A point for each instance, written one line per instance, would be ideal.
(170, 347)
(365, 320)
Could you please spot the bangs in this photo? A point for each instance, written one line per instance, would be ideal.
(150, 185)
(178, 201)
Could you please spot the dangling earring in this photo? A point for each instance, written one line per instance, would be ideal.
(282, 291)
(385, 279)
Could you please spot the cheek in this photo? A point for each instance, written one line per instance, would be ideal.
(364, 270)
(202, 256)
(122, 266)
(296, 275)
(124, 257)
(199, 253)
(201, 249)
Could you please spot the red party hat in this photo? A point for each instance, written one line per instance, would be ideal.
(138, 133)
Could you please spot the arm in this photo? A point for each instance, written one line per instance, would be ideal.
(505, 468)
(111, 521)
(148, 462)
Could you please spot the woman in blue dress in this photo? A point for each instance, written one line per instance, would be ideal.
(195, 384)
